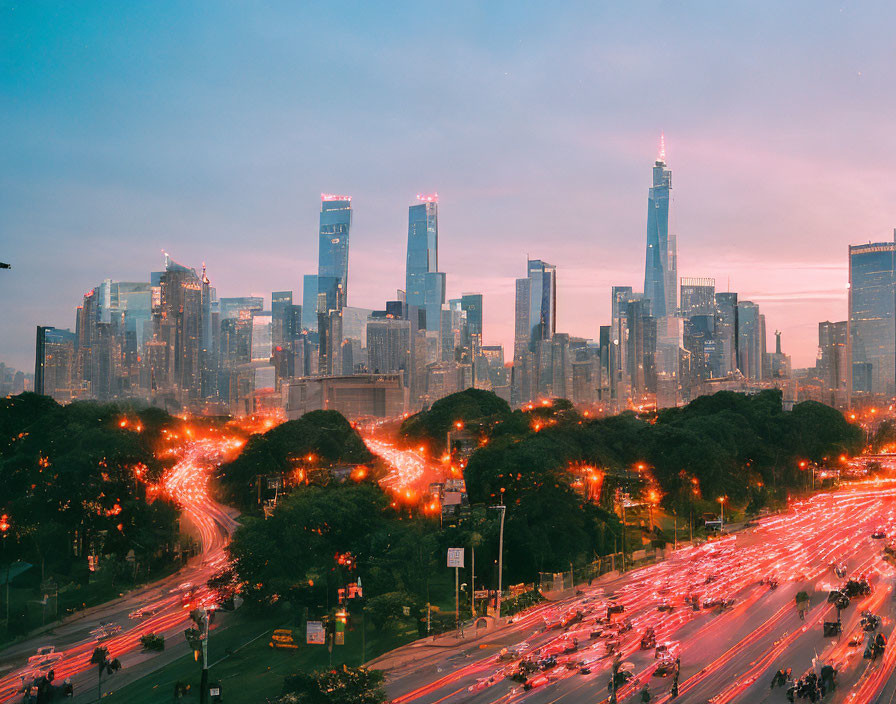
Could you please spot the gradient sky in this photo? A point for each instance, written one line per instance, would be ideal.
(210, 129)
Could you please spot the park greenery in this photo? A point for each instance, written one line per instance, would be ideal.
(311, 445)
(72, 485)
(745, 448)
(346, 685)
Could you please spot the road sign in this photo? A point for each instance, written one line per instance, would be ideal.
(455, 557)
(480, 594)
(315, 634)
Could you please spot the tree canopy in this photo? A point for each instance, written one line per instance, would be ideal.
(318, 438)
(471, 406)
(71, 480)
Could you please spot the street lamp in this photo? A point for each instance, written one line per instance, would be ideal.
(652, 499)
(503, 509)
(722, 516)
(4, 531)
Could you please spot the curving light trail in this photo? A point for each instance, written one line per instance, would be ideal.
(186, 483)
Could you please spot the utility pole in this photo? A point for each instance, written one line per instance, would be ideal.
(4, 531)
(503, 509)
(674, 529)
(457, 600)
(623, 532)
(473, 581)
(203, 683)
(198, 641)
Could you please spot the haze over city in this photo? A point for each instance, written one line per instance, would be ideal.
(211, 131)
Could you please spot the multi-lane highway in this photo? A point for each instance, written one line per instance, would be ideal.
(161, 608)
(729, 648)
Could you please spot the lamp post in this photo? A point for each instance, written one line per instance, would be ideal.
(722, 514)
(503, 509)
(4, 531)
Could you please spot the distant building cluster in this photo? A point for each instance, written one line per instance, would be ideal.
(171, 341)
(13, 381)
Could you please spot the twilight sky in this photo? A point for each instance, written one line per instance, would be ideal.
(210, 128)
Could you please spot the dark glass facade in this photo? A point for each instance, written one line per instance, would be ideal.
(332, 267)
(872, 318)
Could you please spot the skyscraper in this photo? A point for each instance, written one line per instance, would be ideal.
(831, 365)
(661, 267)
(471, 304)
(309, 302)
(54, 362)
(425, 284)
(751, 340)
(536, 304)
(281, 309)
(872, 318)
(178, 323)
(697, 297)
(333, 242)
(725, 359)
(389, 346)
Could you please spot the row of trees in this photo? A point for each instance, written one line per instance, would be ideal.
(72, 485)
(746, 448)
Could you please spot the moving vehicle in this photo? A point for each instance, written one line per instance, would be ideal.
(105, 630)
(45, 654)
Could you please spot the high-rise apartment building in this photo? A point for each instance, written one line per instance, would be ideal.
(872, 318)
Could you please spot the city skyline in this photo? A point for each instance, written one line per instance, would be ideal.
(114, 201)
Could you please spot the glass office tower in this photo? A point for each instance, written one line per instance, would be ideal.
(425, 284)
(309, 302)
(872, 322)
(536, 304)
(661, 267)
(332, 268)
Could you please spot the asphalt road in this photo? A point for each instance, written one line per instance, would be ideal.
(727, 654)
(75, 638)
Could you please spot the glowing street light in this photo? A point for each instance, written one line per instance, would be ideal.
(722, 516)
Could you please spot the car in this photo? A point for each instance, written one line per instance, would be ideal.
(105, 630)
(878, 534)
(537, 681)
(45, 654)
(570, 617)
(665, 668)
(184, 587)
(144, 611)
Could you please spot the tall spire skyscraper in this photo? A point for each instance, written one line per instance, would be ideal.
(661, 267)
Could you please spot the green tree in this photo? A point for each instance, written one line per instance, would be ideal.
(348, 685)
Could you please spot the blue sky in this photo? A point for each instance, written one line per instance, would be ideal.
(210, 129)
